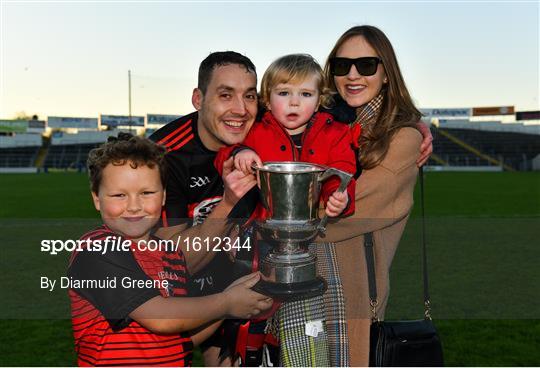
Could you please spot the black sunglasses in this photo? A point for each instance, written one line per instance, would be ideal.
(365, 66)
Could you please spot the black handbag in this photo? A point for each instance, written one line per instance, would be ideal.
(402, 343)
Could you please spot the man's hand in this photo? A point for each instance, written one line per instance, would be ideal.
(244, 159)
(242, 302)
(236, 183)
(336, 203)
(426, 148)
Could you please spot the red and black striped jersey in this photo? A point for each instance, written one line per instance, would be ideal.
(194, 188)
(104, 334)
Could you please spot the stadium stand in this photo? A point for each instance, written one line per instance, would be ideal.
(452, 154)
(514, 149)
(458, 144)
(68, 156)
(488, 125)
(18, 157)
(20, 140)
(71, 150)
(19, 150)
(470, 147)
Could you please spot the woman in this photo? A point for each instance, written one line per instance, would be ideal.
(363, 73)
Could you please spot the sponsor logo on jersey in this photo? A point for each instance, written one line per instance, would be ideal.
(167, 275)
(200, 211)
(204, 282)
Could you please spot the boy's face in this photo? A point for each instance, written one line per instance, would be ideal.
(229, 107)
(293, 104)
(130, 200)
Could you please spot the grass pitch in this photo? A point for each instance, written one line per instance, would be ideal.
(482, 247)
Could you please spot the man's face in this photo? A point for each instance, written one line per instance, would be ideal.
(228, 109)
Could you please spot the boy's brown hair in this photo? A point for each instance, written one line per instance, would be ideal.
(293, 68)
(125, 148)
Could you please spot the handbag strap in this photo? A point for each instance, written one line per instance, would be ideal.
(370, 263)
(427, 297)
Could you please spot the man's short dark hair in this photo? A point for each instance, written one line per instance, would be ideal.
(126, 148)
(221, 58)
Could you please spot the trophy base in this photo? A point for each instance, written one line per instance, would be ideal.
(293, 291)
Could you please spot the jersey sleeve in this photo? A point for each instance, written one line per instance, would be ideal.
(114, 301)
(223, 155)
(250, 142)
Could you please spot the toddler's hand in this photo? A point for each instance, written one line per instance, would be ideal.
(336, 203)
(235, 183)
(244, 159)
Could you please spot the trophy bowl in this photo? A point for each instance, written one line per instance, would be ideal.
(290, 193)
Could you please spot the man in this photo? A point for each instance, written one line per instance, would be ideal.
(226, 104)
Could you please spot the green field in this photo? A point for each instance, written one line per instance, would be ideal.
(484, 266)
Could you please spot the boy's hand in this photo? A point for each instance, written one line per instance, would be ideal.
(336, 203)
(242, 302)
(235, 183)
(244, 159)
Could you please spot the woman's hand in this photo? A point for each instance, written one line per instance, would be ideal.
(426, 148)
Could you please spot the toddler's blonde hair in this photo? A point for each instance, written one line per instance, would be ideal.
(294, 68)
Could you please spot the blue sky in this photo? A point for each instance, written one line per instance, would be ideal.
(72, 58)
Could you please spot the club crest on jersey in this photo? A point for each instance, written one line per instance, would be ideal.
(200, 211)
(198, 181)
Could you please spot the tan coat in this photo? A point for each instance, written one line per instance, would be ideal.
(384, 198)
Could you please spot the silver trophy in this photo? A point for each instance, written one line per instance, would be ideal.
(290, 193)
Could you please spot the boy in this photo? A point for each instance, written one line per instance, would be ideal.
(147, 323)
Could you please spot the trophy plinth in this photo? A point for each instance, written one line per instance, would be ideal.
(290, 192)
(290, 277)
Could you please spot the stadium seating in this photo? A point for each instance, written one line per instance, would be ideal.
(19, 150)
(71, 150)
(516, 150)
(68, 156)
(453, 154)
(18, 156)
(456, 143)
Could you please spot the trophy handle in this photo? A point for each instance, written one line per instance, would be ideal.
(345, 179)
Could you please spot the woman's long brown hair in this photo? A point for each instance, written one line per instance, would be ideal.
(397, 110)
